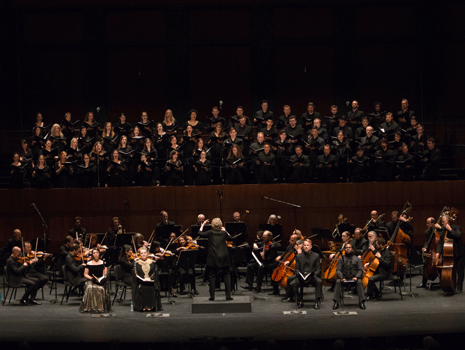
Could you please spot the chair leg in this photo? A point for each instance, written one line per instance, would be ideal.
(64, 293)
(6, 295)
(116, 294)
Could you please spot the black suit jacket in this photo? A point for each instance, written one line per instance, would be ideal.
(16, 271)
(308, 263)
(218, 254)
(456, 235)
(349, 267)
(74, 270)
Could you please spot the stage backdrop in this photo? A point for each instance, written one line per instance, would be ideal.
(139, 208)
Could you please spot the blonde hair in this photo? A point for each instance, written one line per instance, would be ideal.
(217, 224)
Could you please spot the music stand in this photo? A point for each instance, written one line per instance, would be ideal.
(276, 230)
(238, 229)
(188, 258)
(196, 228)
(346, 227)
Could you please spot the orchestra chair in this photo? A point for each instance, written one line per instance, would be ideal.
(120, 284)
(396, 281)
(346, 286)
(68, 285)
(301, 291)
(54, 277)
(14, 286)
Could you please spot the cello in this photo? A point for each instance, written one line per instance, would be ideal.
(449, 272)
(397, 245)
(284, 271)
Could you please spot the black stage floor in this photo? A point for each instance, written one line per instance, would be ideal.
(429, 312)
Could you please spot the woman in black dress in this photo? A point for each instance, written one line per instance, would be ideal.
(87, 173)
(17, 172)
(203, 169)
(169, 123)
(161, 138)
(92, 126)
(173, 169)
(216, 145)
(74, 154)
(147, 292)
(235, 166)
(64, 172)
(37, 142)
(126, 261)
(196, 125)
(117, 171)
(137, 140)
(57, 138)
(218, 261)
(96, 297)
(41, 174)
(109, 137)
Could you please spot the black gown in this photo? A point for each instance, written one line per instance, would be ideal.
(147, 293)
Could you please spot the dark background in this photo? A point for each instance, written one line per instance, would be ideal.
(130, 56)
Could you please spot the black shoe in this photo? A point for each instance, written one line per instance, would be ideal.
(422, 285)
(247, 287)
(274, 292)
(229, 298)
(196, 292)
(458, 291)
(182, 292)
(362, 305)
(300, 304)
(33, 302)
(377, 295)
(211, 298)
(336, 305)
(23, 302)
(288, 299)
(173, 294)
(317, 305)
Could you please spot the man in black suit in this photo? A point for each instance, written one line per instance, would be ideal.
(264, 261)
(349, 269)
(75, 269)
(404, 115)
(262, 115)
(359, 243)
(430, 231)
(161, 226)
(307, 272)
(355, 115)
(386, 259)
(452, 232)
(309, 116)
(430, 160)
(81, 231)
(12, 242)
(17, 275)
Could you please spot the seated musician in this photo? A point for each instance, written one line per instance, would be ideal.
(405, 225)
(307, 272)
(430, 230)
(36, 266)
(75, 268)
(126, 261)
(139, 241)
(452, 232)
(359, 243)
(63, 253)
(12, 242)
(17, 274)
(349, 268)
(265, 252)
(376, 222)
(96, 296)
(386, 259)
(185, 272)
(290, 248)
(345, 236)
(77, 229)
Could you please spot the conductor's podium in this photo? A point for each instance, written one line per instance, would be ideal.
(240, 304)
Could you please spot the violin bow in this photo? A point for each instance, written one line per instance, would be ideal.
(151, 237)
(37, 242)
(103, 240)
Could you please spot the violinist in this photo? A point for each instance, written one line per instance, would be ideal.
(290, 248)
(75, 268)
(63, 253)
(183, 270)
(126, 261)
(430, 230)
(112, 232)
(161, 227)
(452, 232)
(218, 260)
(96, 297)
(93, 240)
(36, 265)
(139, 241)
(265, 253)
(17, 269)
(345, 239)
(349, 268)
(359, 243)
(386, 259)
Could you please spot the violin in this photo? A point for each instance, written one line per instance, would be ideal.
(24, 259)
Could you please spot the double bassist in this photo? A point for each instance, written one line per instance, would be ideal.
(448, 231)
(430, 234)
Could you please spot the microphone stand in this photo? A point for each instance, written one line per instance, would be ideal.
(220, 195)
(43, 224)
(294, 206)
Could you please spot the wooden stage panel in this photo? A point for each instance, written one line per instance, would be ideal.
(321, 203)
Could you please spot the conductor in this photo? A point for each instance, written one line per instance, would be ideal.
(218, 256)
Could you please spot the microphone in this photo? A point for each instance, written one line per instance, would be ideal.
(98, 109)
(32, 205)
(221, 104)
(126, 201)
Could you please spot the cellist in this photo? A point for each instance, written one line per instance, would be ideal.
(430, 230)
(285, 255)
(453, 232)
(386, 259)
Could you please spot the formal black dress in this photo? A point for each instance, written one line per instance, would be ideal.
(147, 293)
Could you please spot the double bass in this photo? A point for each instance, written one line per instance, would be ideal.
(430, 262)
(449, 271)
(397, 245)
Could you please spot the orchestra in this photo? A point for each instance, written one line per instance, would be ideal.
(358, 257)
